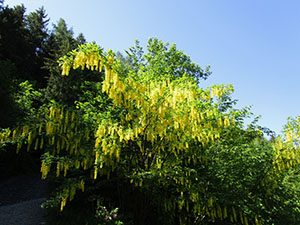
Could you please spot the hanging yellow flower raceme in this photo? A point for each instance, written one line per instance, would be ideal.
(45, 169)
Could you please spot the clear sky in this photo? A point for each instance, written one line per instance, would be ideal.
(252, 44)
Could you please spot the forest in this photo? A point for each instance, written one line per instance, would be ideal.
(133, 138)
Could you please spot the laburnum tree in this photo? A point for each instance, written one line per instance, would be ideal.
(149, 140)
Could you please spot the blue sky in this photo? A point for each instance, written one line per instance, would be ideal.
(252, 44)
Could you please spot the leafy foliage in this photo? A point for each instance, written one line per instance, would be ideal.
(162, 61)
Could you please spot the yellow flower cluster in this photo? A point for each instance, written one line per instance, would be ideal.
(45, 169)
(20, 134)
(70, 192)
(63, 203)
(4, 136)
(91, 59)
(285, 153)
(61, 130)
(66, 68)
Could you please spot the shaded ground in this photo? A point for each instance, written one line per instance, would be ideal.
(23, 213)
(21, 197)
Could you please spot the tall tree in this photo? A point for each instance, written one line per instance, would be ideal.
(12, 58)
(8, 109)
(60, 89)
(13, 39)
(36, 23)
(21, 44)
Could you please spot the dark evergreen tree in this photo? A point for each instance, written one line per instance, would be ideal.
(36, 23)
(12, 46)
(8, 108)
(22, 52)
(13, 37)
(61, 89)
